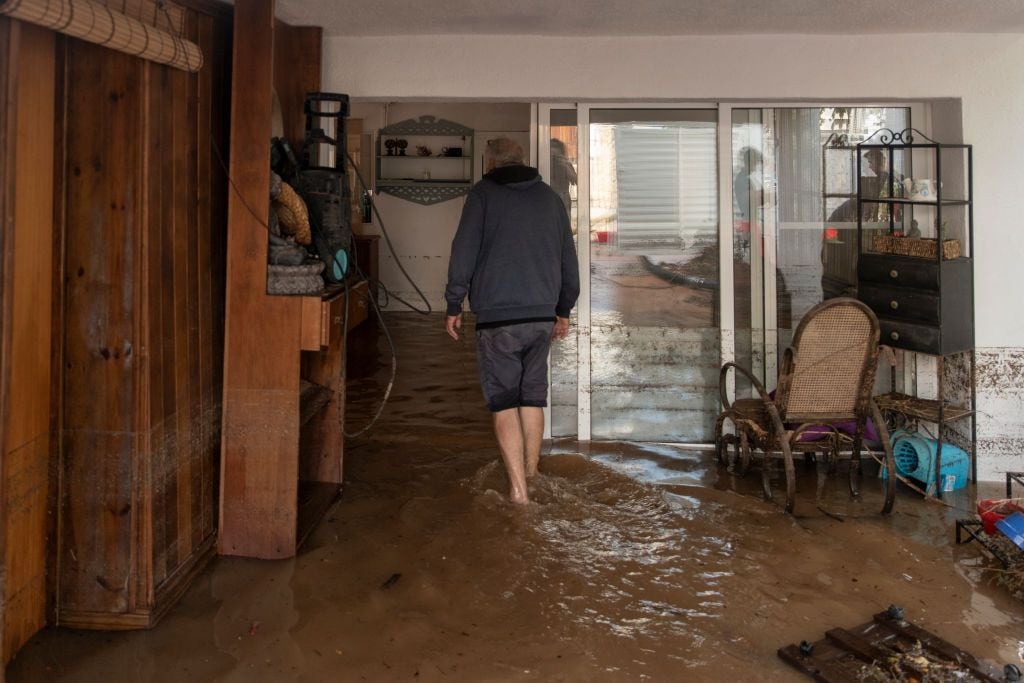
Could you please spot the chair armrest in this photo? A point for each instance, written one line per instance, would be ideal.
(746, 373)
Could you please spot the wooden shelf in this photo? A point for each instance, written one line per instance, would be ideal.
(312, 398)
(921, 408)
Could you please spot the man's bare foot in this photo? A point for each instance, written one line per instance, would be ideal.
(519, 499)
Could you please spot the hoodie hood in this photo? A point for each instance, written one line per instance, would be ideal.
(517, 177)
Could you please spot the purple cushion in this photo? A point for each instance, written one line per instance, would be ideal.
(818, 432)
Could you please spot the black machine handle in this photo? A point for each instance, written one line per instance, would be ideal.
(313, 98)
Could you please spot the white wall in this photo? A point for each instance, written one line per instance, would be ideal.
(982, 71)
(422, 235)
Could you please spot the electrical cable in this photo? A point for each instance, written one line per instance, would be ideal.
(344, 358)
(391, 247)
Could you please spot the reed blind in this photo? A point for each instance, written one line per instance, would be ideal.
(143, 28)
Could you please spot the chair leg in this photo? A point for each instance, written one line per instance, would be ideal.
(743, 454)
(720, 446)
(767, 465)
(784, 437)
(858, 440)
(787, 455)
(809, 459)
(890, 460)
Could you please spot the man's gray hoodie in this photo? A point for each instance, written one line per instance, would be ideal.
(514, 253)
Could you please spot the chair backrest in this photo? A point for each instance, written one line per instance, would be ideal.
(828, 373)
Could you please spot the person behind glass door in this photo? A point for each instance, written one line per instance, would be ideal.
(878, 164)
(562, 173)
(748, 193)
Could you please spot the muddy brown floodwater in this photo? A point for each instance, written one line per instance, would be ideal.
(634, 562)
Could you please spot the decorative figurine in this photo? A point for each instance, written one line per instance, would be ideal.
(390, 145)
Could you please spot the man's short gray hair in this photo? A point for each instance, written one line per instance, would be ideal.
(505, 152)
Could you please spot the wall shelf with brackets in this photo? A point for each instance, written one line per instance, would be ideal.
(425, 160)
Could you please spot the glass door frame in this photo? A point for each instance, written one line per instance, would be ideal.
(583, 308)
(762, 285)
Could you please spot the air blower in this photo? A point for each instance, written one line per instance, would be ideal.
(915, 459)
(324, 184)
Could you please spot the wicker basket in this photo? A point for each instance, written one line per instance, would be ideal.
(914, 246)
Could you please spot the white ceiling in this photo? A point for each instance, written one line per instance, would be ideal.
(653, 17)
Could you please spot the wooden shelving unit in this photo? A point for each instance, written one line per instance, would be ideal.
(284, 395)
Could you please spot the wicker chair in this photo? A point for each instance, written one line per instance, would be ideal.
(826, 379)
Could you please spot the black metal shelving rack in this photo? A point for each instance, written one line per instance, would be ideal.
(906, 141)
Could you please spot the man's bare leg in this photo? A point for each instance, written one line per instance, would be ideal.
(532, 421)
(510, 441)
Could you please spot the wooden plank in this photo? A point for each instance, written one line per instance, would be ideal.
(298, 54)
(320, 457)
(96, 568)
(259, 453)
(33, 238)
(142, 494)
(101, 380)
(155, 361)
(57, 331)
(260, 488)
(859, 647)
(196, 444)
(209, 403)
(8, 121)
(312, 320)
(181, 157)
(171, 444)
(25, 473)
(27, 421)
(169, 592)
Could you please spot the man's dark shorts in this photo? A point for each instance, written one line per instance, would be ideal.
(514, 364)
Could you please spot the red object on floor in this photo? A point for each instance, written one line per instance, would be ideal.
(601, 236)
(991, 511)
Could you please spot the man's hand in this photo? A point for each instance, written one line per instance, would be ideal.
(561, 330)
(453, 324)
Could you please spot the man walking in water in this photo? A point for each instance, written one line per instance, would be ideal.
(515, 257)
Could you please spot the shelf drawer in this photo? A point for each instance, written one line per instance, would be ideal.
(899, 271)
(901, 334)
(334, 312)
(899, 302)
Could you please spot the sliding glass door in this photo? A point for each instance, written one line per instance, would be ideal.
(654, 337)
(699, 241)
(795, 217)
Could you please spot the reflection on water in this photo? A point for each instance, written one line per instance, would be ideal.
(633, 562)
